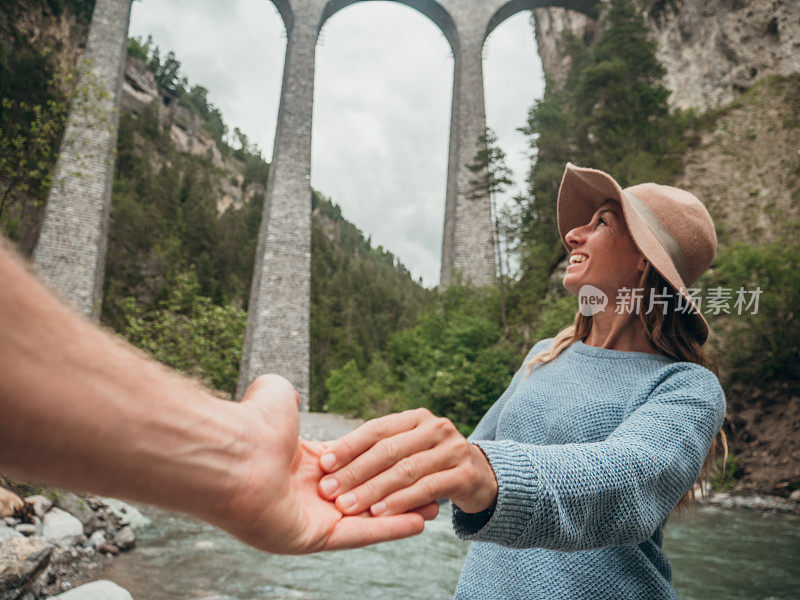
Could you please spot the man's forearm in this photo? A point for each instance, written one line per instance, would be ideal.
(145, 433)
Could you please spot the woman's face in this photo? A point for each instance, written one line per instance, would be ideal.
(611, 259)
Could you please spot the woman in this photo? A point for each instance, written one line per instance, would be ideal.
(567, 481)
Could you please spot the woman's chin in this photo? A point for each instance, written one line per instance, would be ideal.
(571, 284)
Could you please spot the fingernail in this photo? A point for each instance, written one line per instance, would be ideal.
(329, 485)
(347, 500)
(378, 508)
(328, 461)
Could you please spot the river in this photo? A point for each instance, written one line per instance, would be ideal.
(731, 554)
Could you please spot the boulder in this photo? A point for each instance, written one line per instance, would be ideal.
(9, 502)
(61, 527)
(7, 533)
(124, 539)
(96, 590)
(97, 539)
(795, 496)
(22, 560)
(78, 508)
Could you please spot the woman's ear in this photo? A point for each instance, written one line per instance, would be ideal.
(642, 264)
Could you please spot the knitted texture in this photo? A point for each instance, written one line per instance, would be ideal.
(591, 452)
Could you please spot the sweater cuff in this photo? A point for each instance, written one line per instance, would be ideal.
(517, 497)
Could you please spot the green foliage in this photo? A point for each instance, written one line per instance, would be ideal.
(360, 295)
(32, 118)
(28, 145)
(760, 347)
(164, 221)
(492, 175)
(557, 313)
(453, 361)
(188, 332)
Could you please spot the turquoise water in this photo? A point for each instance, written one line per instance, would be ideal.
(718, 554)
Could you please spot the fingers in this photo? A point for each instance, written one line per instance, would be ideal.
(354, 532)
(405, 473)
(425, 491)
(429, 512)
(377, 459)
(366, 436)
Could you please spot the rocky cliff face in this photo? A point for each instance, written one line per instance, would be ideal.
(141, 92)
(713, 50)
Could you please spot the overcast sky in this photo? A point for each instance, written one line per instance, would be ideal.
(382, 96)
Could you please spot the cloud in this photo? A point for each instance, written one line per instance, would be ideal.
(383, 90)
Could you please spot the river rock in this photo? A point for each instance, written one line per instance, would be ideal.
(78, 508)
(127, 514)
(61, 527)
(26, 528)
(124, 539)
(97, 539)
(96, 590)
(11, 521)
(7, 533)
(9, 502)
(22, 560)
(795, 496)
(41, 504)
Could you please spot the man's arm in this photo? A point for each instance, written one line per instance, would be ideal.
(84, 410)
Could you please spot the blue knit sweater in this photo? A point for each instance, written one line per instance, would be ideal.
(591, 452)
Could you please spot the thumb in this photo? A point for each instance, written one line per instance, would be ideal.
(276, 400)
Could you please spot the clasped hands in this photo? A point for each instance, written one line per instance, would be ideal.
(378, 483)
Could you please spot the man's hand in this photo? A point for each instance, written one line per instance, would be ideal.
(278, 508)
(403, 461)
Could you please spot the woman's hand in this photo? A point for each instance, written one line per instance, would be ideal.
(400, 462)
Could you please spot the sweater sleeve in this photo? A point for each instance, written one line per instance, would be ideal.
(615, 492)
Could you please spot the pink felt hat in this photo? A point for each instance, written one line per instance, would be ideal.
(670, 226)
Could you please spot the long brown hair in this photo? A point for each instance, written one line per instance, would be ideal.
(675, 334)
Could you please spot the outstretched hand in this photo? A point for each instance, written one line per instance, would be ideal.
(278, 508)
(400, 462)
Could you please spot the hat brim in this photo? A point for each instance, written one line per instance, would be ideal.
(583, 191)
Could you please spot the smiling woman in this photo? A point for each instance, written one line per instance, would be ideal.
(567, 482)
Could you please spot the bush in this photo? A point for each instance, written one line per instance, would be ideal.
(759, 347)
(190, 333)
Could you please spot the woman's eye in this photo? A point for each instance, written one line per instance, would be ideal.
(600, 220)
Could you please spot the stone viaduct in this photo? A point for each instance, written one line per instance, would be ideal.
(71, 250)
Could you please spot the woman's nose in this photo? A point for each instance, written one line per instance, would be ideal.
(574, 237)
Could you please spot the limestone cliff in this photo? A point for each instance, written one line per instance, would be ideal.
(141, 92)
(713, 50)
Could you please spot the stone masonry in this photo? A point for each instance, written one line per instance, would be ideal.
(72, 244)
(277, 338)
(70, 255)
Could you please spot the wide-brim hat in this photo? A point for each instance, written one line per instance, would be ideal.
(670, 226)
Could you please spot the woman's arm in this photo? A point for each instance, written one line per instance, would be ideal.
(615, 492)
(565, 497)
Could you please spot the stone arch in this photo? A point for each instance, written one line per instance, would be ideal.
(429, 8)
(285, 10)
(512, 7)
